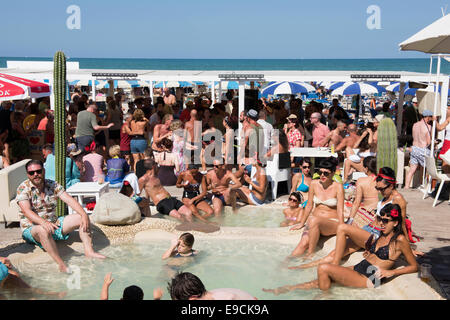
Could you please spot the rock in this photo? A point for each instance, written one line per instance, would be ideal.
(197, 226)
(115, 209)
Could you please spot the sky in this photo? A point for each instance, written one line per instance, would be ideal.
(212, 29)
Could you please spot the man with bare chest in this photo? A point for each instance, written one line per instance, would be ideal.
(164, 202)
(169, 98)
(218, 181)
(421, 132)
(350, 140)
(335, 136)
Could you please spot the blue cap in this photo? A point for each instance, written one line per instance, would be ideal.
(427, 113)
(3, 271)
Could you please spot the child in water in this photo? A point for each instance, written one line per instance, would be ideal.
(129, 293)
(10, 280)
(181, 247)
(293, 213)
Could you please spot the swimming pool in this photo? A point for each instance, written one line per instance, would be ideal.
(248, 216)
(248, 264)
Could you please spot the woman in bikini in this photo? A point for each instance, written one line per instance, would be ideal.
(302, 180)
(327, 197)
(195, 190)
(293, 213)
(379, 258)
(350, 238)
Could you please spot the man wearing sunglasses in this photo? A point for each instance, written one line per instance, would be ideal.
(37, 198)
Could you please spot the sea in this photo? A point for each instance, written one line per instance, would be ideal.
(412, 65)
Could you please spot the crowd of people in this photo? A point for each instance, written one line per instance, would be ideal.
(151, 145)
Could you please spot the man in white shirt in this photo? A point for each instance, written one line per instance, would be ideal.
(268, 129)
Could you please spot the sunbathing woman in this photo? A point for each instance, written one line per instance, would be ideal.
(357, 237)
(294, 212)
(379, 259)
(328, 212)
(302, 180)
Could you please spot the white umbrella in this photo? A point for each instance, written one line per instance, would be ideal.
(434, 38)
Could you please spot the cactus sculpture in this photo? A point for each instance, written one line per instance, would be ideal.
(59, 89)
(387, 145)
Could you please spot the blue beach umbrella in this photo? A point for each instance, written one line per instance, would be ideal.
(285, 87)
(334, 85)
(395, 87)
(350, 88)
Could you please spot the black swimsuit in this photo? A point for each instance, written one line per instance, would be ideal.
(191, 191)
(365, 267)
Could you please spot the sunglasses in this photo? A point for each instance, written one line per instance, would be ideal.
(325, 173)
(381, 188)
(32, 172)
(306, 167)
(294, 200)
(384, 220)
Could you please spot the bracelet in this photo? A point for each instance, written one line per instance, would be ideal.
(349, 220)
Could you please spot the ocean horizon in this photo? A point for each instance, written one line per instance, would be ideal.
(393, 64)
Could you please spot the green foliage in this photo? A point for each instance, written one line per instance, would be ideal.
(59, 88)
(387, 145)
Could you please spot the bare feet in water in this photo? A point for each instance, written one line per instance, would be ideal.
(278, 291)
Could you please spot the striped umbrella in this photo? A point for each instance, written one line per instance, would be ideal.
(334, 85)
(361, 88)
(285, 87)
(395, 87)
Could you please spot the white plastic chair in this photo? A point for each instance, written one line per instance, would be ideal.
(275, 175)
(430, 165)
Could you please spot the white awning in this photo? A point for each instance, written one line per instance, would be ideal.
(434, 38)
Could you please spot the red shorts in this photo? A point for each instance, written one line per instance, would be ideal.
(444, 148)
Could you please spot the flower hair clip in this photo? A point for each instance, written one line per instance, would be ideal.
(394, 213)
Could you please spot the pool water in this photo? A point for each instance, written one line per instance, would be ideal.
(247, 264)
(248, 216)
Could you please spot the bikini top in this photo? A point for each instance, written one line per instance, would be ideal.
(178, 255)
(380, 206)
(382, 252)
(303, 187)
(329, 202)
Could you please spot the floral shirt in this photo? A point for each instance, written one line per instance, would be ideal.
(44, 207)
(293, 136)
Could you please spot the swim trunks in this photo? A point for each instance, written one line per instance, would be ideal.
(57, 234)
(3, 271)
(168, 204)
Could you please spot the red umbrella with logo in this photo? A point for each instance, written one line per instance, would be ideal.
(15, 88)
